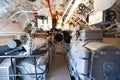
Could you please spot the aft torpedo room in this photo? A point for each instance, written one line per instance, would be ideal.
(59, 40)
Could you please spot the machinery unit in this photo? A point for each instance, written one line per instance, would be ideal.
(97, 18)
(102, 18)
(86, 35)
(3, 49)
(93, 60)
(61, 40)
(7, 69)
(24, 60)
(27, 66)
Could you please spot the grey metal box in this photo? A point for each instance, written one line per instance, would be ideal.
(91, 35)
(6, 70)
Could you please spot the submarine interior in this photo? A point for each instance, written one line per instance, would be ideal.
(59, 39)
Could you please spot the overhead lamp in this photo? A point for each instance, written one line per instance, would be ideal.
(101, 5)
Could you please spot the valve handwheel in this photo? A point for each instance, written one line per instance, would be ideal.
(111, 15)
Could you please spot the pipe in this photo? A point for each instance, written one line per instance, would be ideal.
(18, 12)
(57, 14)
(12, 51)
(75, 5)
(67, 8)
(116, 6)
(50, 8)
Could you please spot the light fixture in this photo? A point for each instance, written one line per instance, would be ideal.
(101, 5)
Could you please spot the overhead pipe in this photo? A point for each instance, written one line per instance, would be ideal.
(75, 5)
(48, 1)
(67, 8)
(57, 14)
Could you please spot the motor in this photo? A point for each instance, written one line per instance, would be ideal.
(91, 59)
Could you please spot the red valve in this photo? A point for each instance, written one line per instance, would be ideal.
(35, 14)
(14, 21)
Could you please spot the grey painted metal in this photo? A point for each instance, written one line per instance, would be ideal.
(92, 59)
(27, 66)
(3, 49)
(6, 70)
(86, 35)
(99, 46)
(13, 43)
(78, 60)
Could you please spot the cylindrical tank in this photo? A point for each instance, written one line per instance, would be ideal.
(13, 43)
